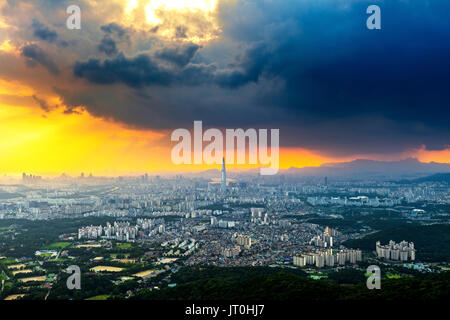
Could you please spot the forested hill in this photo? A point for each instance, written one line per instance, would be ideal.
(432, 242)
(438, 177)
(285, 286)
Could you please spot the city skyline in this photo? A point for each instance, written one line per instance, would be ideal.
(359, 168)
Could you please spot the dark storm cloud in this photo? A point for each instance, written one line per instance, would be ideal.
(43, 32)
(134, 72)
(179, 56)
(113, 28)
(42, 103)
(310, 68)
(145, 70)
(113, 33)
(336, 69)
(107, 46)
(35, 55)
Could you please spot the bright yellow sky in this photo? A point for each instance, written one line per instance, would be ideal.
(199, 15)
(73, 143)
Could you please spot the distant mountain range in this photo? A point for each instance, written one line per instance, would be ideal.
(358, 169)
(408, 168)
(438, 177)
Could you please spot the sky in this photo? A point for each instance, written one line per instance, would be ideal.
(105, 98)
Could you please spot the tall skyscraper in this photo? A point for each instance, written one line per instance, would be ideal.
(224, 176)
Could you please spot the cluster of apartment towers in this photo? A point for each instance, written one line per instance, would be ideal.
(326, 257)
(402, 251)
(122, 231)
(242, 241)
